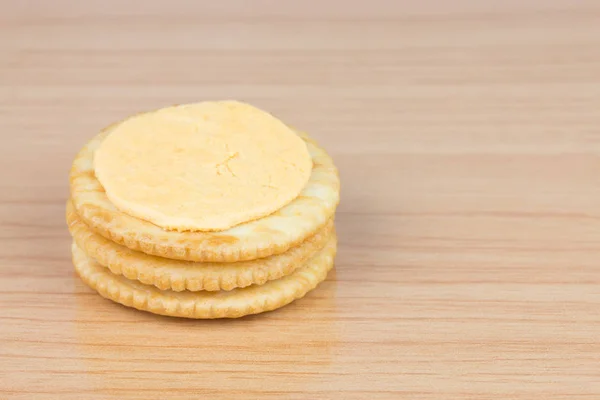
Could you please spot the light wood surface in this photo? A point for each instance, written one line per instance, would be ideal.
(467, 133)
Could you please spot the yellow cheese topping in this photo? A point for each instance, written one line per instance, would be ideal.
(202, 167)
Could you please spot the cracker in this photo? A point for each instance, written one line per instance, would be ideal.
(206, 305)
(176, 275)
(273, 234)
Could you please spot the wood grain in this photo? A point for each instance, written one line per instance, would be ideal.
(468, 138)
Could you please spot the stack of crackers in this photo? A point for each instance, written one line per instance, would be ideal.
(207, 210)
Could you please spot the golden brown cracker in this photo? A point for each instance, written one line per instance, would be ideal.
(273, 234)
(177, 275)
(206, 305)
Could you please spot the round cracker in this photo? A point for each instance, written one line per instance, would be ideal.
(206, 305)
(176, 275)
(273, 234)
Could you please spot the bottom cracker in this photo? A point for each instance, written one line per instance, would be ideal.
(206, 305)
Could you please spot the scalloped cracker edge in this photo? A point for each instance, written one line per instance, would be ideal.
(273, 234)
(176, 275)
(206, 305)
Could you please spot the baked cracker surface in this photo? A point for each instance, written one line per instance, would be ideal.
(273, 234)
(177, 275)
(206, 305)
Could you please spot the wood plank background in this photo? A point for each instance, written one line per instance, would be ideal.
(467, 134)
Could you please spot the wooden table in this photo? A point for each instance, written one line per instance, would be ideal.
(467, 134)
